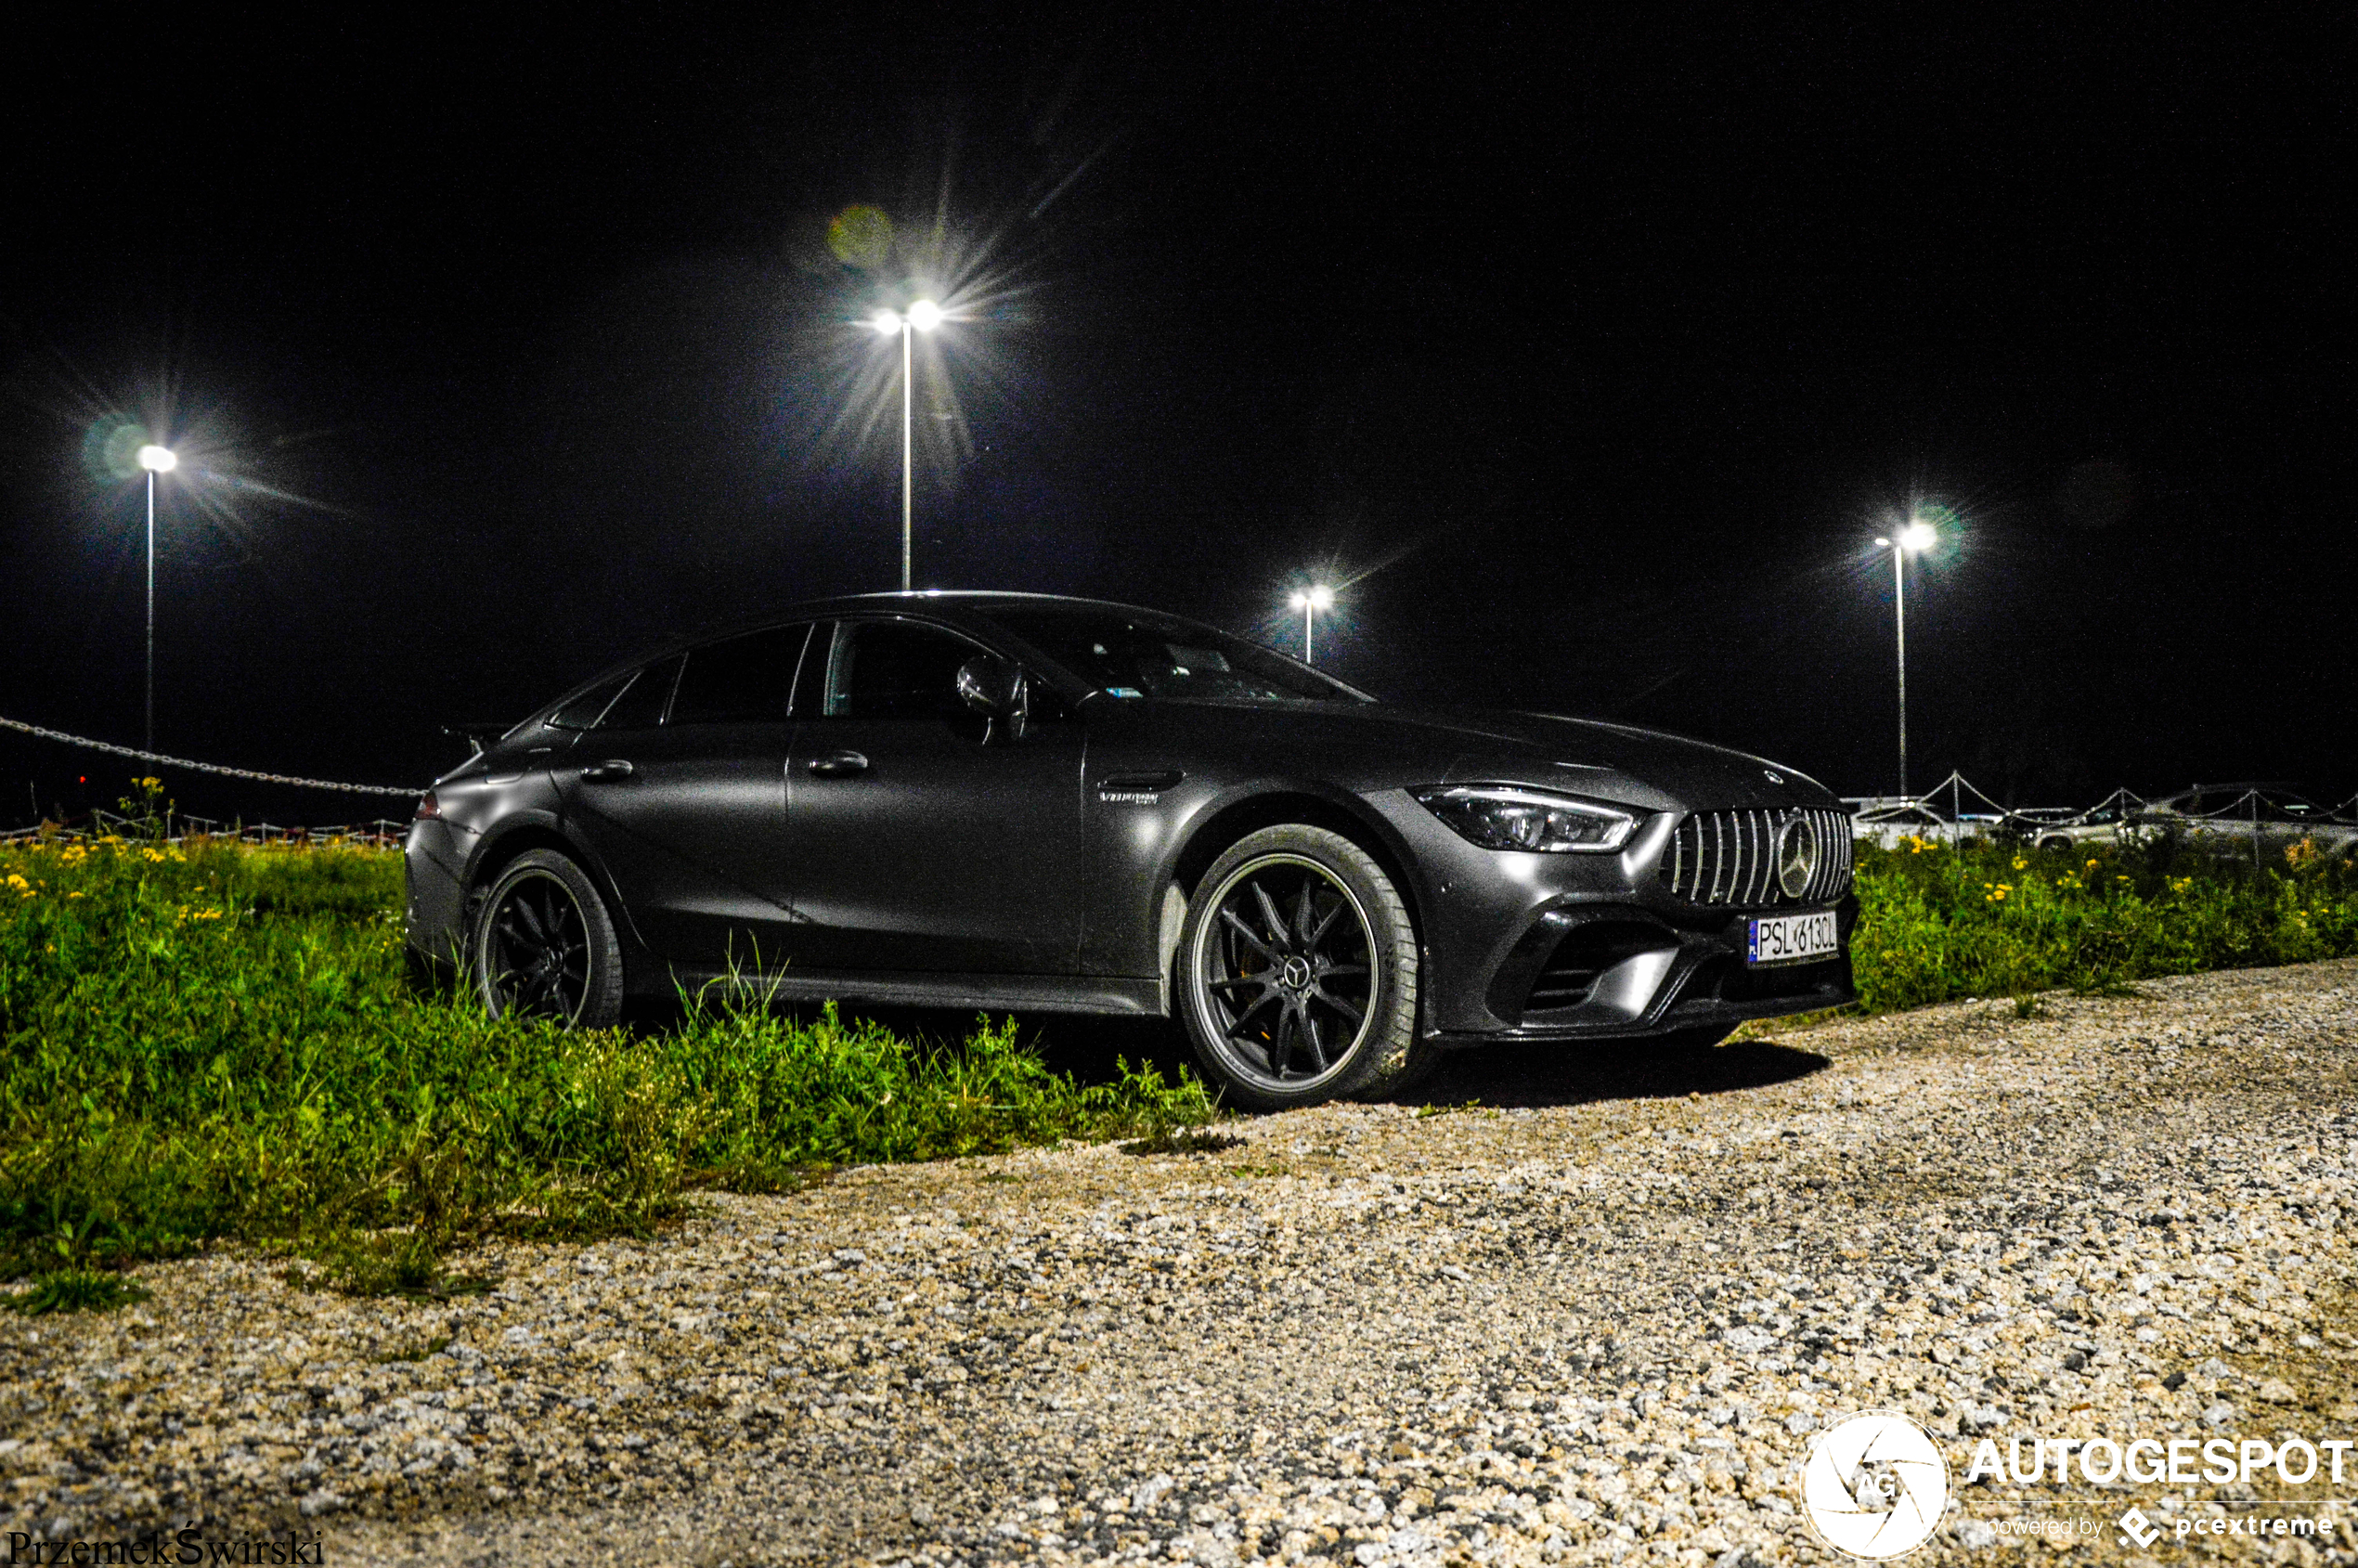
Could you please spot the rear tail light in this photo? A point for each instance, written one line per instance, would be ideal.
(429, 808)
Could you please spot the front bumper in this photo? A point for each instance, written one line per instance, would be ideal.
(1586, 946)
(1602, 970)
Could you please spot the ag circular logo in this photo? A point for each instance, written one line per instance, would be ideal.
(1874, 1486)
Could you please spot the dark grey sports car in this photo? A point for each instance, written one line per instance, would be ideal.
(1014, 801)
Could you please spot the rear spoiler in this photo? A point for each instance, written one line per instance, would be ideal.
(481, 734)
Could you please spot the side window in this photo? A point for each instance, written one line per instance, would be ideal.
(583, 711)
(745, 680)
(640, 708)
(897, 670)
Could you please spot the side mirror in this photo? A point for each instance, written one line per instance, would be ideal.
(995, 688)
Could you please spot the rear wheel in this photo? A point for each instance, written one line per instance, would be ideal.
(545, 947)
(1298, 972)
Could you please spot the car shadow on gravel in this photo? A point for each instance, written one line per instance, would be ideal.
(1558, 1075)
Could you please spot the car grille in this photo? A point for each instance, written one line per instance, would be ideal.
(1729, 858)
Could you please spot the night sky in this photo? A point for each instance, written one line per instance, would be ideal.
(1589, 359)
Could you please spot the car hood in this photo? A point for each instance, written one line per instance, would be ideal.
(1694, 773)
(1641, 768)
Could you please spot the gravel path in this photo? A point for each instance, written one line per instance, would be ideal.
(1595, 1319)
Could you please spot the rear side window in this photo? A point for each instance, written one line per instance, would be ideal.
(745, 680)
(897, 670)
(584, 711)
(640, 708)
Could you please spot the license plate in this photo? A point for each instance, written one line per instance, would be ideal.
(1791, 938)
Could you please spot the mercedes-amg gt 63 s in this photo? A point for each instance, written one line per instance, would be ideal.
(1011, 801)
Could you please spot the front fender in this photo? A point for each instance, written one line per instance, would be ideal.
(1142, 851)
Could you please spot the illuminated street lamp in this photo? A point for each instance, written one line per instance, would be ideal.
(1318, 597)
(1915, 536)
(155, 460)
(924, 317)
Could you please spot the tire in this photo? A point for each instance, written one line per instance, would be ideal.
(1298, 970)
(543, 946)
(2055, 844)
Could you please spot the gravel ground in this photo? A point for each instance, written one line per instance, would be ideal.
(1596, 1317)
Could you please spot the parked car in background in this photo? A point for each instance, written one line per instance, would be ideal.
(1890, 820)
(2101, 824)
(1014, 801)
(2233, 819)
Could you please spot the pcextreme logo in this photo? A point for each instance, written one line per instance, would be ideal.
(1873, 1485)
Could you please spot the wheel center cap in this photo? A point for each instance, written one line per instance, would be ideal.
(1297, 974)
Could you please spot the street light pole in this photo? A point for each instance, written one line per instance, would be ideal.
(1915, 536)
(1900, 617)
(924, 317)
(155, 460)
(150, 744)
(907, 467)
(1319, 597)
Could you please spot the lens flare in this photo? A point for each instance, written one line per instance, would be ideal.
(110, 450)
(860, 236)
(924, 315)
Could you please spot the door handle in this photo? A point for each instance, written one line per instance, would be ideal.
(607, 771)
(836, 763)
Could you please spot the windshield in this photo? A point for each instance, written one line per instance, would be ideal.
(1126, 653)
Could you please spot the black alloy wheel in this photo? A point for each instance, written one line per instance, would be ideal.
(1299, 971)
(545, 947)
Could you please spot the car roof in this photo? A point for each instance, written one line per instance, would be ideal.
(914, 599)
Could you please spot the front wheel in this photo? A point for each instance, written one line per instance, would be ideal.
(545, 947)
(1298, 971)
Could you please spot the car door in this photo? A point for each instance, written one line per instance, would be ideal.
(918, 841)
(681, 791)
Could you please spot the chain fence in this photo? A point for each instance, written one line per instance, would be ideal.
(99, 823)
(1939, 813)
(1887, 817)
(162, 760)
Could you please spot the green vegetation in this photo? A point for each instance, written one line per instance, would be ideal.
(1992, 919)
(218, 1041)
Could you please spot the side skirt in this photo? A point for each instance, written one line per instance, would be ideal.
(1025, 993)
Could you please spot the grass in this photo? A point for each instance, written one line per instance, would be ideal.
(216, 1041)
(1991, 919)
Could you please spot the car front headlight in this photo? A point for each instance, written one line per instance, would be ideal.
(1509, 817)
